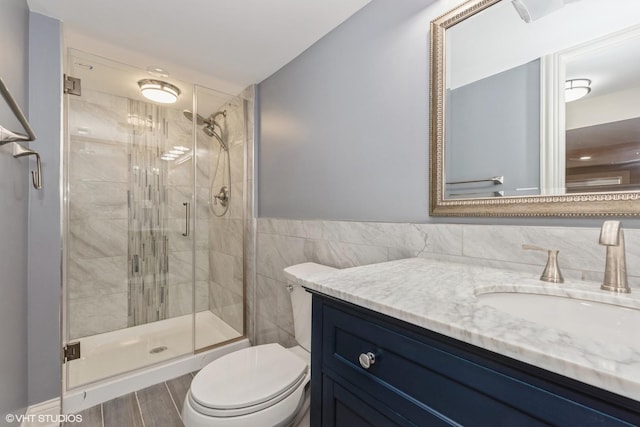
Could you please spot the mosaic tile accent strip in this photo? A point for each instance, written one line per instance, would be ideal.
(148, 242)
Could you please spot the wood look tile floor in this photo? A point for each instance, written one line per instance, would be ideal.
(155, 406)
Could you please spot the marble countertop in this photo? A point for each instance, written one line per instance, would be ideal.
(441, 296)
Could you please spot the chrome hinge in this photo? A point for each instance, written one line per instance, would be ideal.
(71, 351)
(72, 85)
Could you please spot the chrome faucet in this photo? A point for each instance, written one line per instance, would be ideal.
(615, 270)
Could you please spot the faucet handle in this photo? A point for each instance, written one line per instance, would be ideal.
(551, 271)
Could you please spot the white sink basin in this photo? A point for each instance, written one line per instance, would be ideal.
(603, 322)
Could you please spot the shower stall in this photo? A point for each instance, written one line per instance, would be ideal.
(154, 210)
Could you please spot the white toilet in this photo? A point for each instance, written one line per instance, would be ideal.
(259, 386)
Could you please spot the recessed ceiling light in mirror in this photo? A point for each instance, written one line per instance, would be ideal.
(157, 71)
(159, 91)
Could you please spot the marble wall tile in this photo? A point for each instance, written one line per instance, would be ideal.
(236, 155)
(178, 242)
(309, 229)
(579, 248)
(274, 303)
(180, 267)
(99, 116)
(283, 242)
(283, 227)
(227, 305)
(222, 266)
(236, 203)
(94, 199)
(98, 161)
(202, 264)
(202, 295)
(632, 242)
(442, 238)
(275, 252)
(181, 175)
(180, 299)
(226, 236)
(395, 235)
(202, 204)
(237, 285)
(97, 238)
(250, 276)
(112, 270)
(90, 316)
(79, 289)
(233, 314)
(268, 332)
(342, 255)
(176, 196)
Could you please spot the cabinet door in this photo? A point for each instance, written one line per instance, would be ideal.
(341, 408)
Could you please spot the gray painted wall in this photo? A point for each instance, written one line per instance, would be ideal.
(14, 191)
(503, 113)
(45, 286)
(343, 128)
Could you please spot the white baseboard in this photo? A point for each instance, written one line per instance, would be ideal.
(45, 414)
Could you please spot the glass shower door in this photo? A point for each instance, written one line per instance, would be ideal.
(220, 188)
(129, 214)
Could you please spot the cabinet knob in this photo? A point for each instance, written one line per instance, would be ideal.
(367, 359)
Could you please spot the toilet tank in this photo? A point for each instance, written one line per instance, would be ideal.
(301, 299)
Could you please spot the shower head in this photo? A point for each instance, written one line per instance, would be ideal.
(189, 115)
(209, 125)
(210, 130)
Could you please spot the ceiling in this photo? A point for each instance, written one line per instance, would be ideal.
(239, 42)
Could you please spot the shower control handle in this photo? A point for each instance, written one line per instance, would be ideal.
(187, 214)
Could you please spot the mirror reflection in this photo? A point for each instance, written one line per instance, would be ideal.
(541, 98)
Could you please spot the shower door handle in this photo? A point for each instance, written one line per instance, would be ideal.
(187, 216)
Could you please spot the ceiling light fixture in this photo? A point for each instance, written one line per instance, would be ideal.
(159, 91)
(576, 88)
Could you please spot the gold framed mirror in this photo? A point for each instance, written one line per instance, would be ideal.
(506, 137)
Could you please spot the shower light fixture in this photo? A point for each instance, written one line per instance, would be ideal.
(159, 91)
(575, 89)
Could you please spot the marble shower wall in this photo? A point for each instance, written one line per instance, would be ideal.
(281, 243)
(97, 263)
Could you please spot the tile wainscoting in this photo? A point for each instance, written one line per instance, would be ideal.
(280, 243)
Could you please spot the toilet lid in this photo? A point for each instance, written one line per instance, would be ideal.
(247, 377)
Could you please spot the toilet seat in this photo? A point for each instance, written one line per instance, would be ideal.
(247, 381)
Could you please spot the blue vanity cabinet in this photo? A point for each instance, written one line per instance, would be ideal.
(421, 378)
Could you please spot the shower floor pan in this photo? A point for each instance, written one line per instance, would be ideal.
(118, 352)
